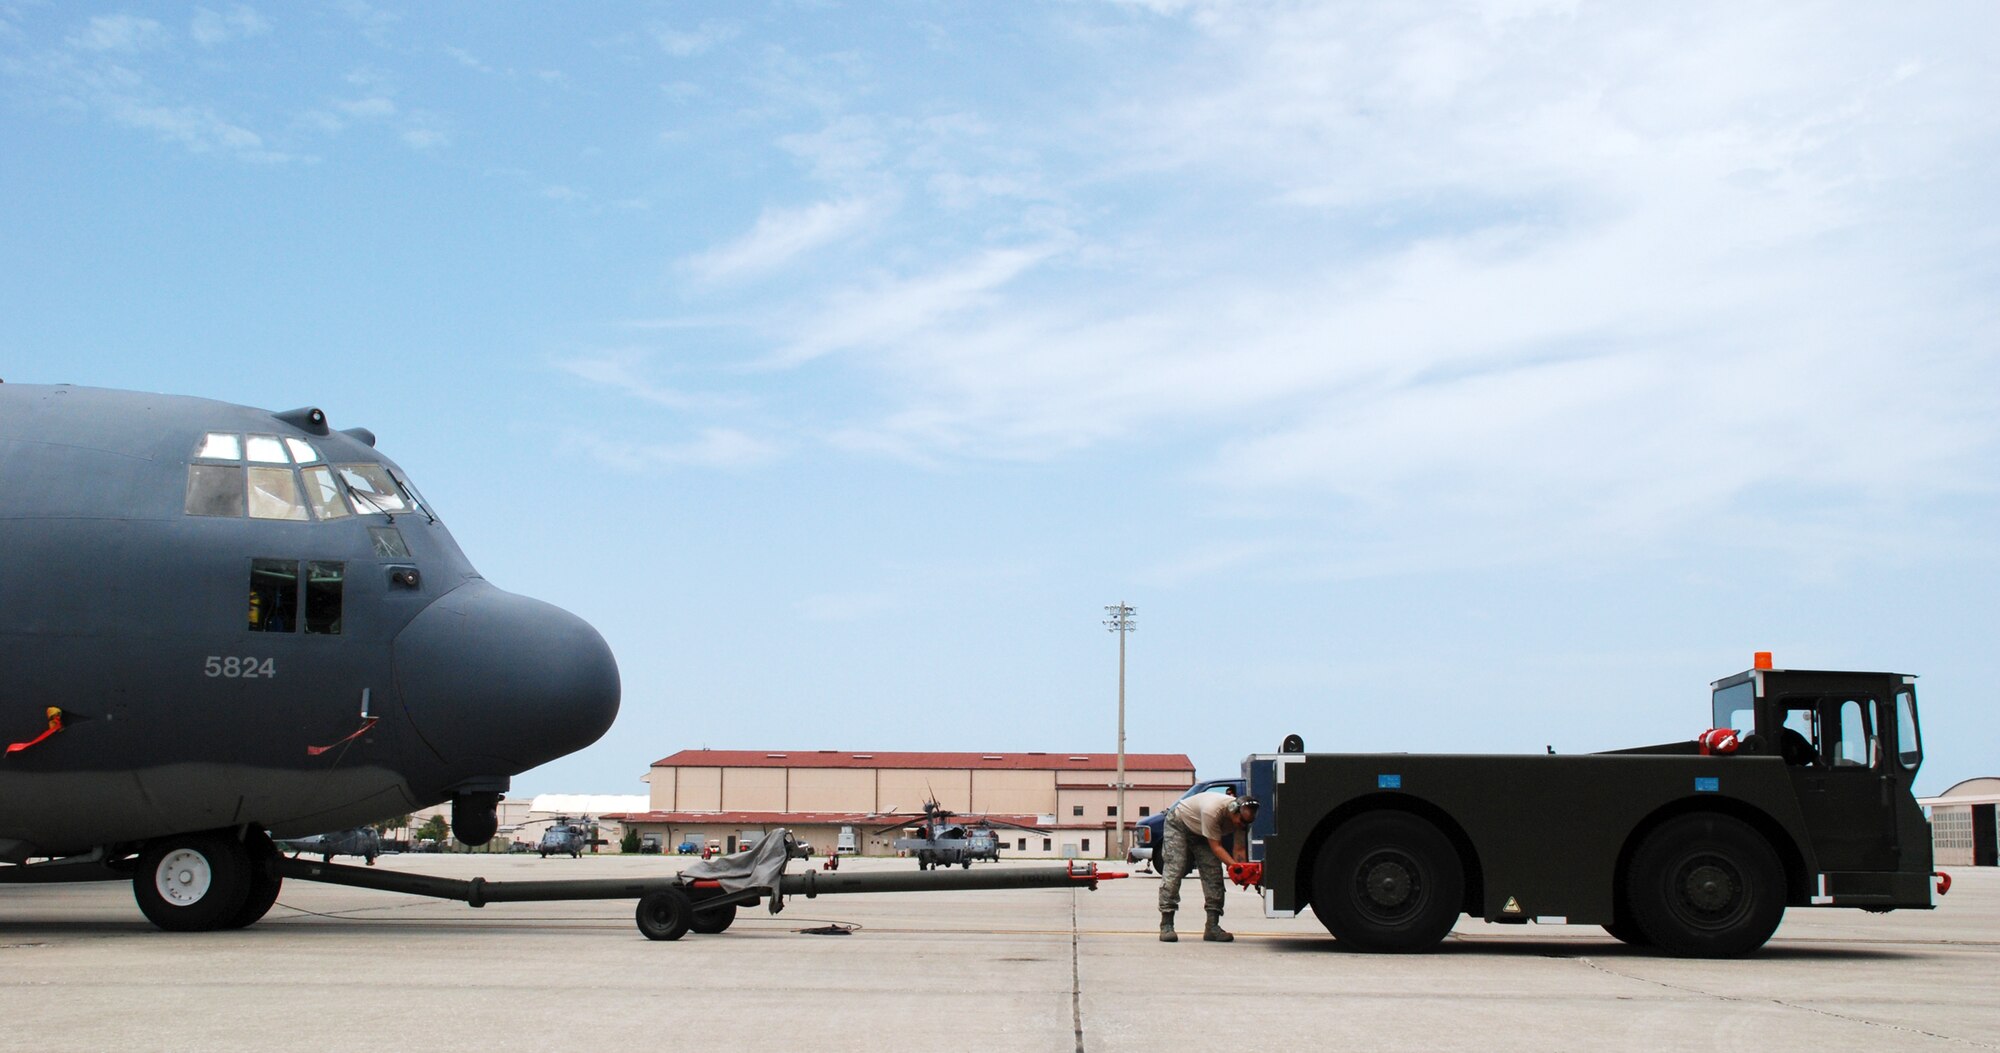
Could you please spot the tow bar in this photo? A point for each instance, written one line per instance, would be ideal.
(670, 906)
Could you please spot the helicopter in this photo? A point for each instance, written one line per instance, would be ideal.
(361, 841)
(566, 835)
(943, 843)
(223, 625)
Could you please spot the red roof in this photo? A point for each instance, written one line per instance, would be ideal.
(891, 759)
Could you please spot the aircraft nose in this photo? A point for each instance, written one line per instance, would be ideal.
(498, 683)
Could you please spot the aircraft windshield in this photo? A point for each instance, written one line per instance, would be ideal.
(372, 489)
(282, 477)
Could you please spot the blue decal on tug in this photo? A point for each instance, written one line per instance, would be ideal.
(1388, 782)
(1709, 784)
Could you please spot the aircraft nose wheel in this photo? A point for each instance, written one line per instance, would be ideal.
(183, 877)
(193, 882)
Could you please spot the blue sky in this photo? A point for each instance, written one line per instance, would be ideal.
(1469, 377)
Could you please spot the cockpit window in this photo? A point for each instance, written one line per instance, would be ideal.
(274, 595)
(323, 493)
(389, 543)
(323, 584)
(214, 490)
(216, 446)
(265, 449)
(261, 483)
(274, 494)
(372, 489)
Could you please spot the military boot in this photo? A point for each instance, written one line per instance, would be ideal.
(1167, 934)
(1214, 932)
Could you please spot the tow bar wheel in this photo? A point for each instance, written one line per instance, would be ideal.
(192, 882)
(666, 914)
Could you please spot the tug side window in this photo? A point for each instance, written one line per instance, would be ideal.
(1909, 745)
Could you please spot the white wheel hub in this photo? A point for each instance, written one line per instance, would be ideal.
(183, 877)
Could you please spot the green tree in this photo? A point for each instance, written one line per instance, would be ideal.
(629, 844)
(435, 828)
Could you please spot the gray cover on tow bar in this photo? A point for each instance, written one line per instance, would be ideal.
(761, 866)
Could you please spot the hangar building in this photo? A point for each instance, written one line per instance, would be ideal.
(1964, 830)
(732, 797)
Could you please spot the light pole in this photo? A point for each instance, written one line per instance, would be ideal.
(1122, 621)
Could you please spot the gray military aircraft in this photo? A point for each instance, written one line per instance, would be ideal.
(220, 624)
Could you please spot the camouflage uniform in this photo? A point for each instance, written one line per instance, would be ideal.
(1184, 847)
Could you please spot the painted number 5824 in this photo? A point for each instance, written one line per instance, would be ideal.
(240, 668)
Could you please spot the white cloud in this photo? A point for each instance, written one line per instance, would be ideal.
(624, 371)
(689, 43)
(1569, 271)
(781, 235)
(210, 28)
(712, 448)
(120, 33)
(890, 312)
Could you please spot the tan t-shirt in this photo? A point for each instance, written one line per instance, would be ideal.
(1206, 814)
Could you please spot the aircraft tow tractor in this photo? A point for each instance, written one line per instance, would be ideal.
(704, 897)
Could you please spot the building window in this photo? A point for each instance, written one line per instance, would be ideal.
(1048, 844)
(1021, 845)
(1086, 844)
(1111, 810)
(1144, 811)
(1076, 809)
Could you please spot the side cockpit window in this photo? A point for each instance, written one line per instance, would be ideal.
(274, 595)
(278, 592)
(214, 490)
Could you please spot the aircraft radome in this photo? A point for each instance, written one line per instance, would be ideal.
(220, 624)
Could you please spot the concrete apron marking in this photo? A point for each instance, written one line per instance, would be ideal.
(1864, 1021)
(1075, 974)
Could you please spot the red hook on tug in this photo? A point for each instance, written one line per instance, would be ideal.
(1944, 881)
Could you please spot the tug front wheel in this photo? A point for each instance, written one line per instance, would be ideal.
(1706, 886)
(1388, 881)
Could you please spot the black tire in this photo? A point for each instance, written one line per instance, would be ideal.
(1706, 886)
(1388, 882)
(714, 919)
(1625, 932)
(192, 882)
(264, 885)
(666, 914)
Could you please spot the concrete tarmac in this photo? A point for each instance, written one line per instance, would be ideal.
(335, 968)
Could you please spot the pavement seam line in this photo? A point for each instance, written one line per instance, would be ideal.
(1075, 973)
(1589, 964)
